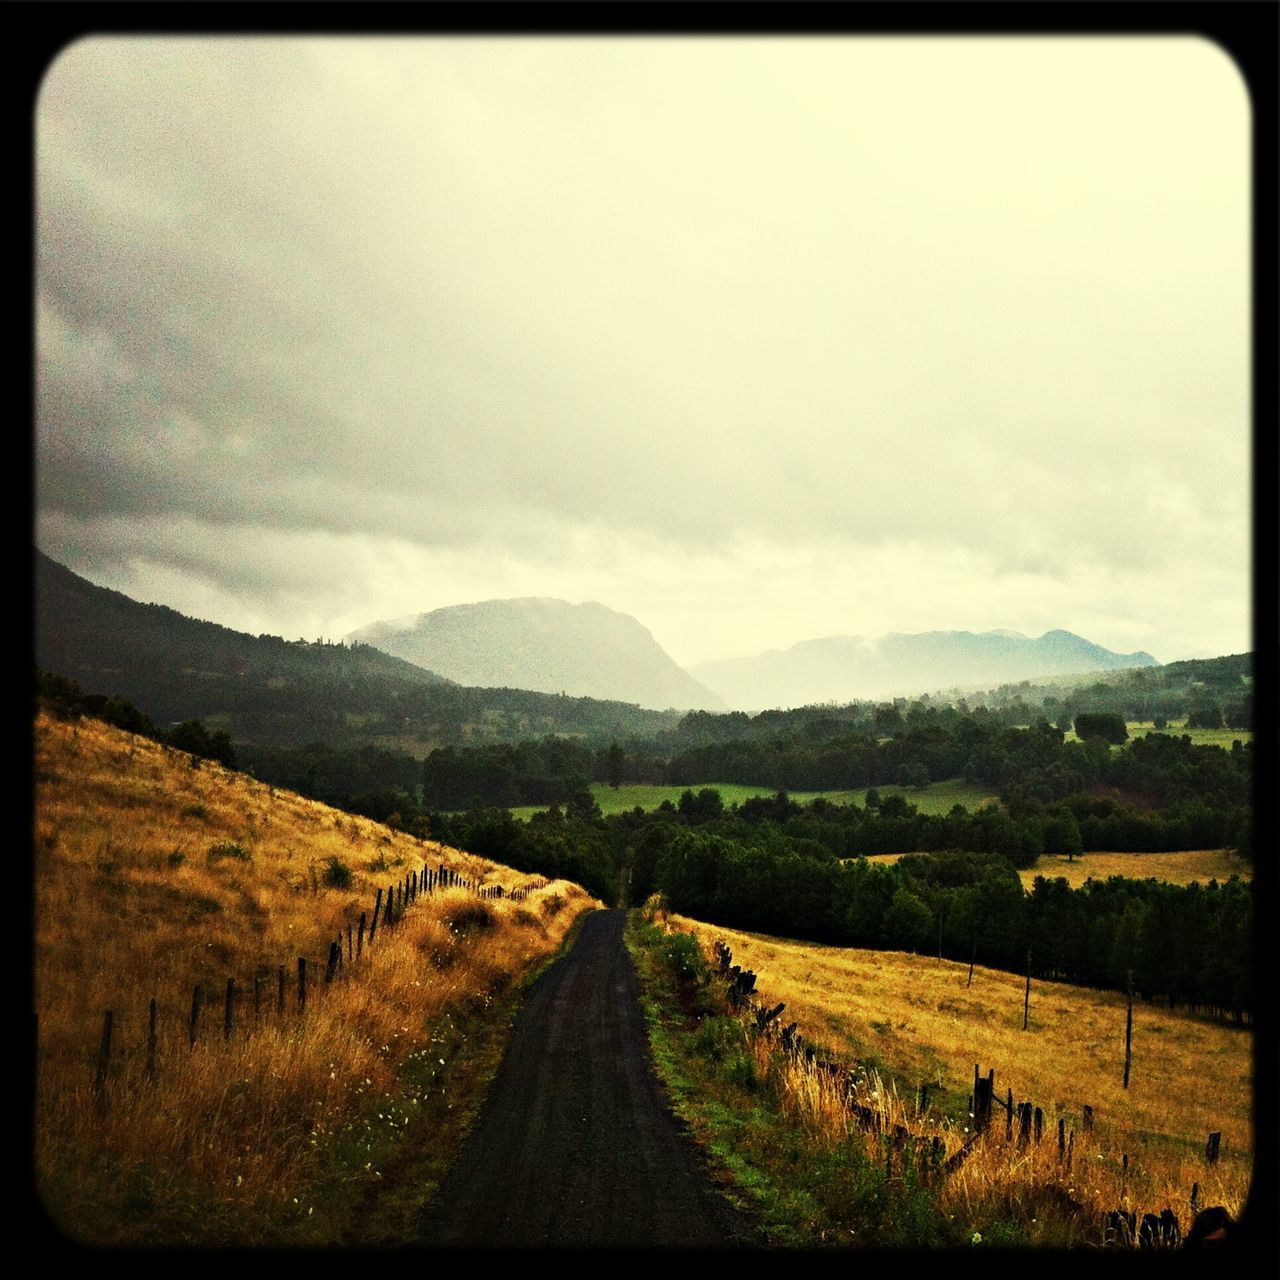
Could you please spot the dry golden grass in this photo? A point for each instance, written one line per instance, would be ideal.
(1182, 867)
(915, 1019)
(131, 904)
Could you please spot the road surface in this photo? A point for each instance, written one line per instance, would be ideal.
(575, 1145)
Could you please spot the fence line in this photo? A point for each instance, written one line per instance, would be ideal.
(1123, 1227)
(385, 912)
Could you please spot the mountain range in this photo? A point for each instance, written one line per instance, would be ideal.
(843, 668)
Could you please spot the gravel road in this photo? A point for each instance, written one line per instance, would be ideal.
(575, 1145)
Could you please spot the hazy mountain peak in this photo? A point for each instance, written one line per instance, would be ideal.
(545, 644)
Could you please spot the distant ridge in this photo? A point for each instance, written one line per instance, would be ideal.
(845, 668)
(535, 642)
(265, 689)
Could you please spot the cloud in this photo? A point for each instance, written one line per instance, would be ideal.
(515, 311)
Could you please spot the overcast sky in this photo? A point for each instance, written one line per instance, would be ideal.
(755, 339)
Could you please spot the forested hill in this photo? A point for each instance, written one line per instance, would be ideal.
(266, 689)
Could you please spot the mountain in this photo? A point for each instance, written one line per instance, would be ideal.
(845, 668)
(267, 690)
(550, 645)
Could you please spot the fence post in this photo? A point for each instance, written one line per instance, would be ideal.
(334, 952)
(1039, 1123)
(227, 1014)
(104, 1061)
(348, 943)
(1088, 1118)
(151, 1040)
(1008, 1118)
(1062, 1140)
(197, 999)
(360, 938)
(373, 924)
(1026, 999)
(1211, 1147)
(1128, 1033)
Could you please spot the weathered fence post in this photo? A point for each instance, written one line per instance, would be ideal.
(983, 1087)
(1212, 1146)
(1008, 1118)
(334, 952)
(348, 943)
(373, 924)
(151, 1040)
(227, 1011)
(1024, 1123)
(1039, 1125)
(1062, 1140)
(1128, 1033)
(360, 937)
(104, 1061)
(197, 999)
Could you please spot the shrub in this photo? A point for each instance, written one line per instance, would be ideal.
(228, 849)
(337, 875)
(196, 810)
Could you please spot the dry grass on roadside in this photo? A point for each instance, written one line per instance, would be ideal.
(914, 1019)
(152, 876)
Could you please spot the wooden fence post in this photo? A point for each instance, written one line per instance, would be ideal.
(1039, 1125)
(348, 944)
(1211, 1147)
(227, 1013)
(1026, 999)
(151, 1040)
(1062, 1140)
(1008, 1118)
(1128, 1033)
(197, 999)
(1024, 1123)
(360, 938)
(373, 924)
(104, 1061)
(329, 969)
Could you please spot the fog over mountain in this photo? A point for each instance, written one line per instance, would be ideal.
(551, 646)
(844, 668)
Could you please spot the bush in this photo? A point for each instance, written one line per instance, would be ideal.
(682, 955)
(228, 849)
(337, 875)
(195, 811)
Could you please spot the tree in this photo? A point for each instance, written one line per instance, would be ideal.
(1104, 726)
(614, 764)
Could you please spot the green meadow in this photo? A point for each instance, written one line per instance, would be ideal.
(939, 797)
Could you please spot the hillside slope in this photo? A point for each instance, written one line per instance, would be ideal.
(544, 644)
(152, 876)
(268, 690)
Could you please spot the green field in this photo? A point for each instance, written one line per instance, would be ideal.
(937, 798)
(1177, 729)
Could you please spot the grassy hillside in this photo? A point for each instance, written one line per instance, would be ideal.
(913, 1019)
(152, 876)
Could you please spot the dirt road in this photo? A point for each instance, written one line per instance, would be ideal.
(575, 1145)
